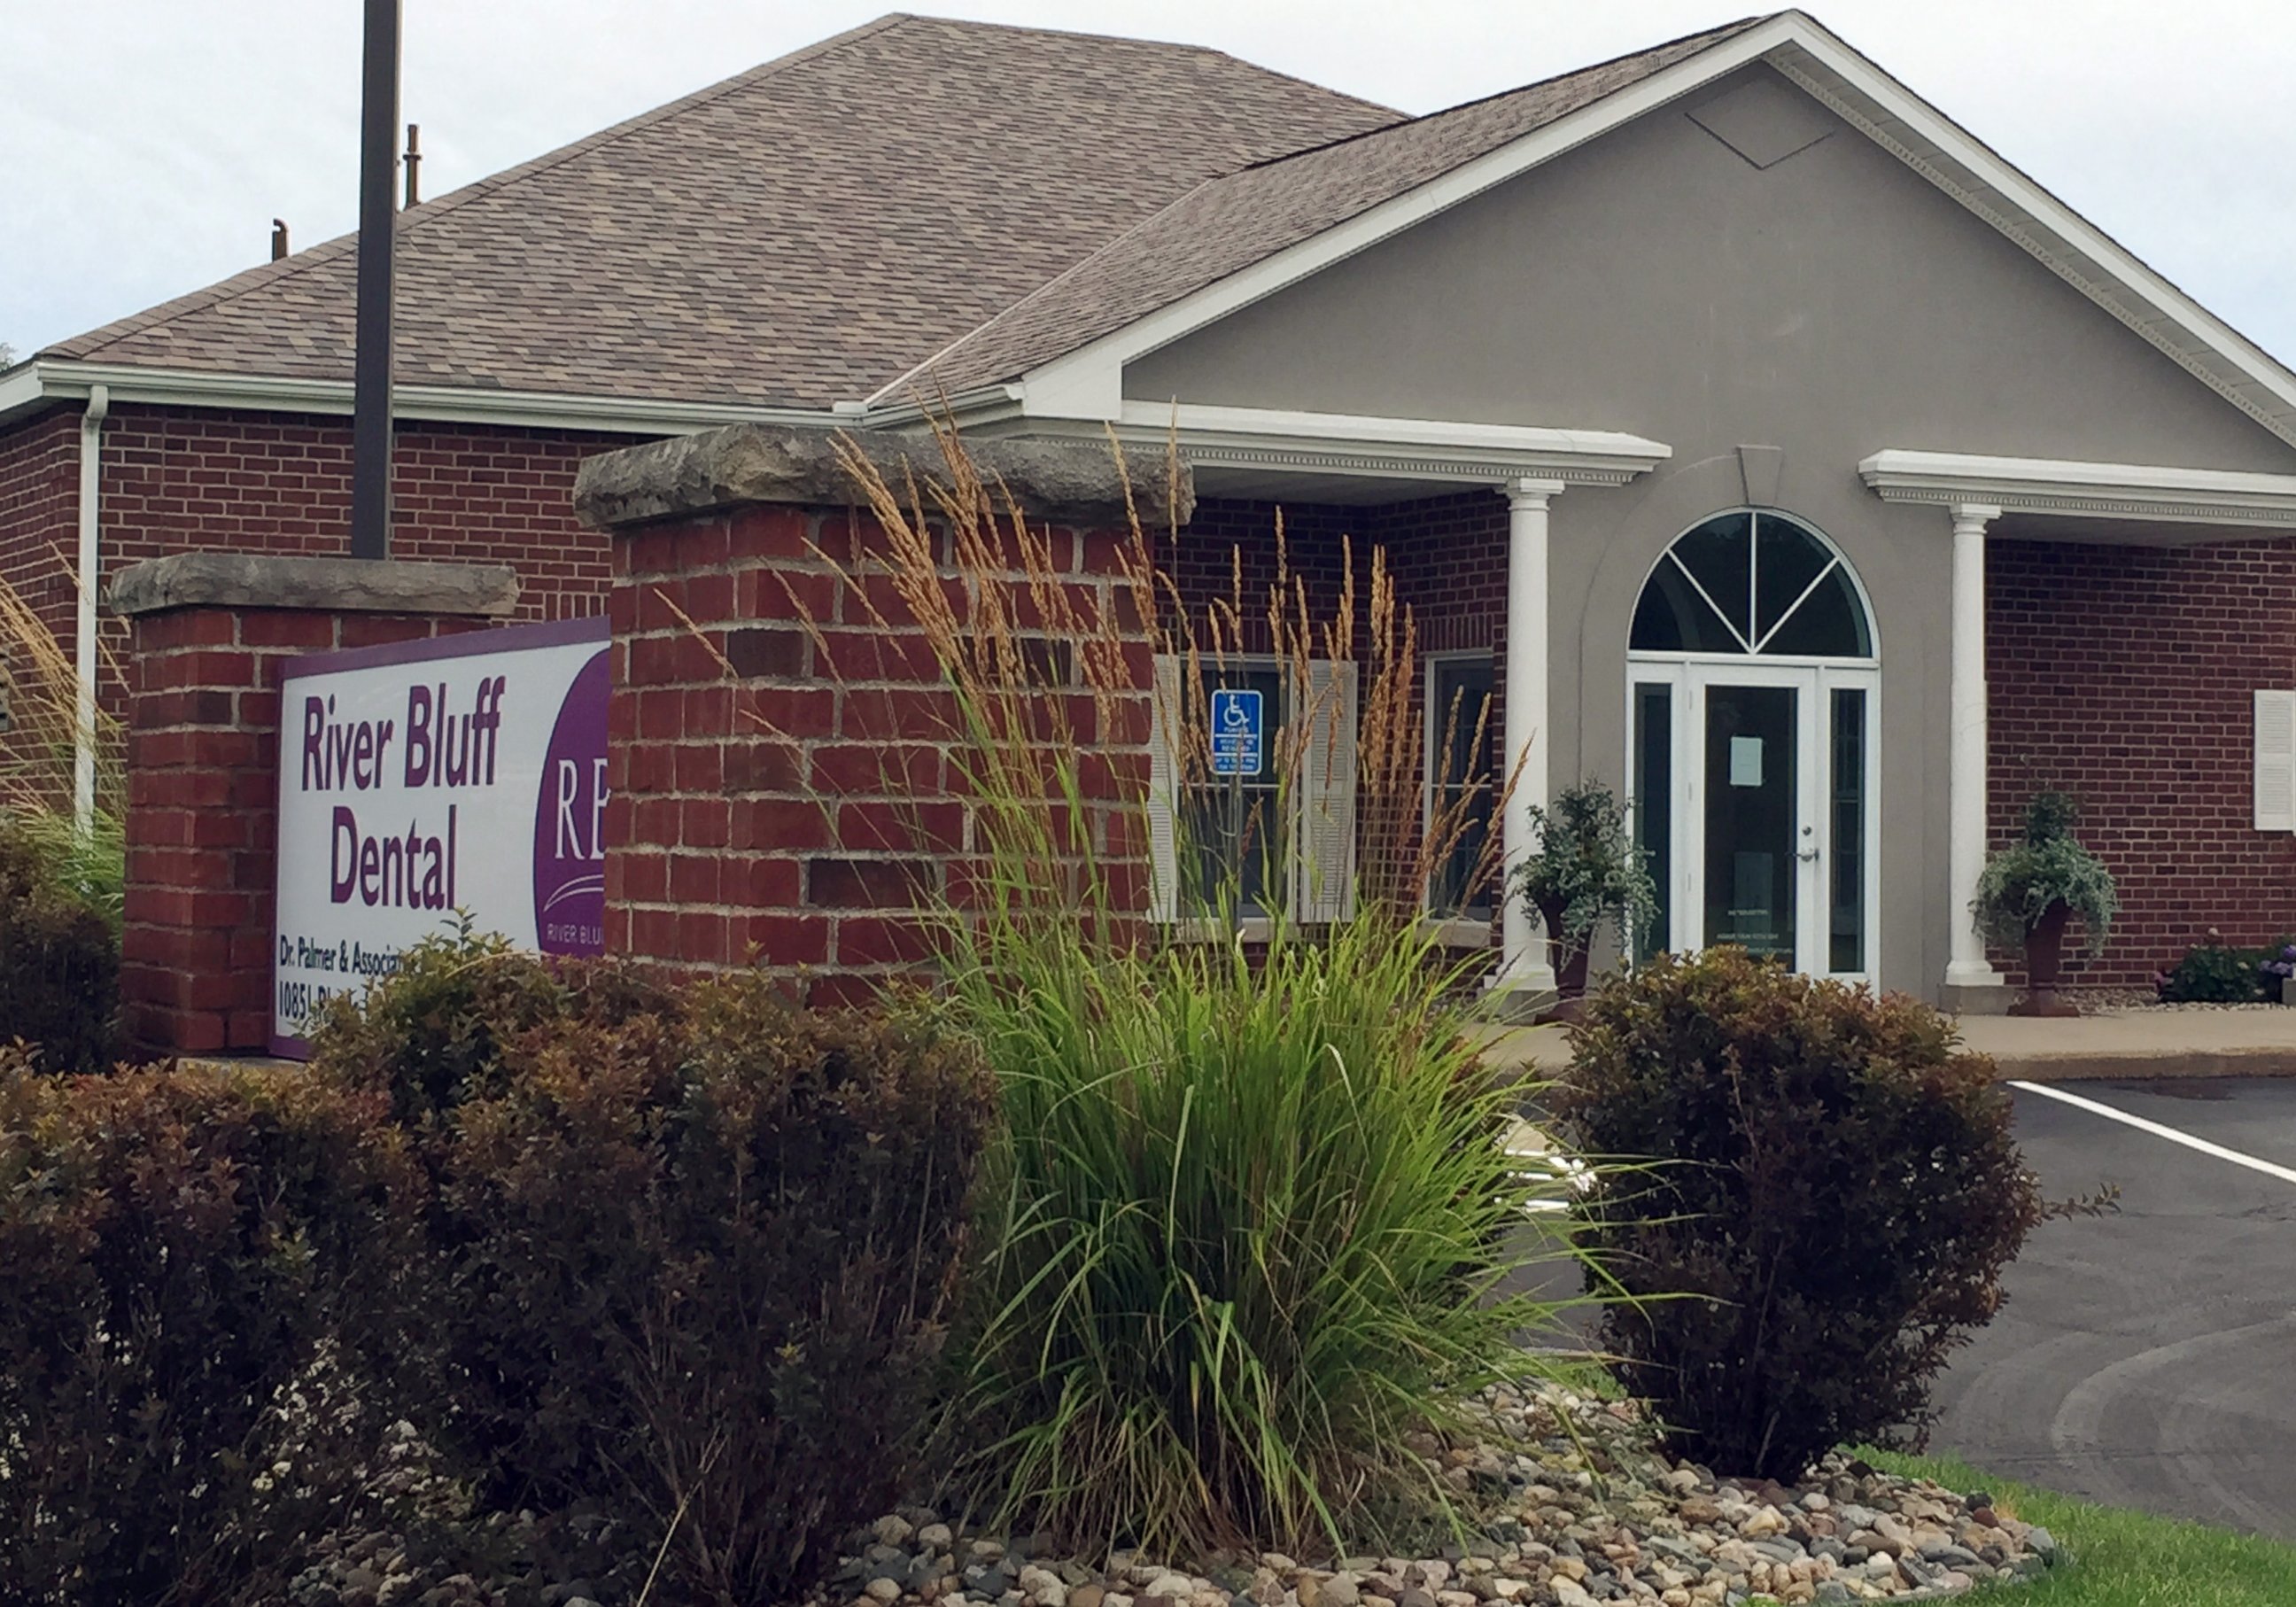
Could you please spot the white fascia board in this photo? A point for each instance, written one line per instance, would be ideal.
(2078, 491)
(22, 389)
(2067, 243)
(440, 404)
(1390, 448)
(1089, 382)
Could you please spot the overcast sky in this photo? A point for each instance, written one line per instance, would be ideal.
(148, 143)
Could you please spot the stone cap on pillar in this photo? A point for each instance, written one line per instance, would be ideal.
(335, 584)
(1076, 483)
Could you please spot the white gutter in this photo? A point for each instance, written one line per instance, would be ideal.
(91, 485)
(47, 381)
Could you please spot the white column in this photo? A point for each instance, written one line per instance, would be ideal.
(1965, 759)
(1522, 938)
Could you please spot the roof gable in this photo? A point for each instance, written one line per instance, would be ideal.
(1066, 345)
(787, 238)
(1231, 222)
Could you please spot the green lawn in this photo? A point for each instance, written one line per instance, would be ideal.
(2125, 1559)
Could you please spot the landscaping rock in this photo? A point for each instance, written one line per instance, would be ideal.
(1596, 1515)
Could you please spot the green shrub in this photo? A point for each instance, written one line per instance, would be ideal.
(2214, 973)
(1251, 1224)
(1248, 1232)
(59, 963)
(1833, 1187)
(688, 1249)
(2021, 883)
(174, 1247)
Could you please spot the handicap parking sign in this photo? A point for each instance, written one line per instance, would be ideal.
(1235, 731)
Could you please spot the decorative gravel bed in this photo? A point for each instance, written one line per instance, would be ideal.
(1556, 1516)
(2101, 1001)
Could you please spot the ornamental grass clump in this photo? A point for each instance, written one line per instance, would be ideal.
(60, 870)
(1829, 1187)
(1251, 1222)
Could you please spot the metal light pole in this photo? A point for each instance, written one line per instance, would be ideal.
(378, 217)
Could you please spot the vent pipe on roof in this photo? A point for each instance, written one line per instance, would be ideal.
(414, 164)
(278, 238)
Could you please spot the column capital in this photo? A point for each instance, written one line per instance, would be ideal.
(1530, 492)
(1970, 518)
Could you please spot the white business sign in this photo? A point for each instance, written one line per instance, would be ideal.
(425, 781)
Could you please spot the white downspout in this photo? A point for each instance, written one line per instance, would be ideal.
(91, 483)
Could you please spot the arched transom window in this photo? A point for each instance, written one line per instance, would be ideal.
(1754, 582)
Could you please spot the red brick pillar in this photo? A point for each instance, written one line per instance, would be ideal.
(781, 792)
(208, 633)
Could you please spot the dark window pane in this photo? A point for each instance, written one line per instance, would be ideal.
(1673, 618)
(1751, 840)
(1654, 807)
(1462, 755)
(1720, 554)
(1831, 625)
(1786, 559)
(1846, 798)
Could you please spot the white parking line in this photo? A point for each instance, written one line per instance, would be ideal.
(2285, 1174)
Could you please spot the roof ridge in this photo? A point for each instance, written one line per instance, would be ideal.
(1715, 35)
(265, 273)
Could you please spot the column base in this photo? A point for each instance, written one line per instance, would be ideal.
(1973, 973)
(1521, 993)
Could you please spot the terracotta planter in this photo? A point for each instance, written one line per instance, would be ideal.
(1569, 969)
(2044, 958)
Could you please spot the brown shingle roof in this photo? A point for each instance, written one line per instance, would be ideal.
(792, 237)
(1229, 223)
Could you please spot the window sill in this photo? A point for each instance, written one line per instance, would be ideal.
(1448, 932)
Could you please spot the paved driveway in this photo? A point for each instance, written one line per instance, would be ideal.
(2148, 1358)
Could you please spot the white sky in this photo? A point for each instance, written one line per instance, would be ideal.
(145, 145)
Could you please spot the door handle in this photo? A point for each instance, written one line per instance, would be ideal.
(1806, 855)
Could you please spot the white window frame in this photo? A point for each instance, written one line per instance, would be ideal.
(1465, 927)
(1687, 675)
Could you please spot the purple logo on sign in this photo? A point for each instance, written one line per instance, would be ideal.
(570, 819)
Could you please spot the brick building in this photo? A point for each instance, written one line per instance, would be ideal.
(1743, 432)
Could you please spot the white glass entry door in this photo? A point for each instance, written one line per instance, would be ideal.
(1753, 794)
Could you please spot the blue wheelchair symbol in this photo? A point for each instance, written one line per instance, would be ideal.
(1236, 728)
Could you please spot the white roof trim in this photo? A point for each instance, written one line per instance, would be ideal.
(1390, 448)
(2116, 491)
(49, 380)
(1089, 382)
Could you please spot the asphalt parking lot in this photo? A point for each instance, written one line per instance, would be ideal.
(2147, 1359)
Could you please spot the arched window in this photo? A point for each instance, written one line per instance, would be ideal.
(1754, 582)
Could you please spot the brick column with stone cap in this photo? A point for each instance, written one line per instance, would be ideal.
(781, 794)
(207, 633)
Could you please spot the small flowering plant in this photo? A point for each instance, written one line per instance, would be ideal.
(2280, 967)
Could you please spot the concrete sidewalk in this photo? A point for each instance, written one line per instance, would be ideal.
(2132, 1044)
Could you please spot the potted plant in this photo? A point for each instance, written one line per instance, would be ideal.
(1588, 870)
(2030, 891)
(2275, 973)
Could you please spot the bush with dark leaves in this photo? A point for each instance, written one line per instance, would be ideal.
(687, 1250)
(175, 1247)
(1830, 1197)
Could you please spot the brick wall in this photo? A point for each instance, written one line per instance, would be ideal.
(781, 794)
(202, 814)
(2123, 676)
(181, 478)
(39, 513)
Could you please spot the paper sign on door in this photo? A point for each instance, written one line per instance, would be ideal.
(1746, 761)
